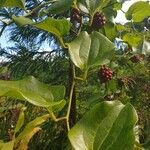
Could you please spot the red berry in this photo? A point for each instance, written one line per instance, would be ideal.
(105, 74)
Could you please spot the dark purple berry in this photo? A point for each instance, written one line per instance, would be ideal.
(105, 74)
(126, 81)
(137, 58)
(99, 21)
(75, 15)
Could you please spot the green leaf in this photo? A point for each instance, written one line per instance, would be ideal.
(110, 14)
(59, 7)
(57, 27)
(23, 144)
(59, 105)
(117, 5)
(138, 11)
(110, 30)
(90, 50)
(108, 125)
(20, 121)
(21, 20)
(83, 8)
(79, 50)
(133, 39)
(58, 92)
(111, 11)
(94, 5)
(6, 146)
(12, 3)
(120, 27)
(31, 126)
(29, 89)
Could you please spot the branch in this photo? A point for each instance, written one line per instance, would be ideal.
(53, 117)
(45, 52)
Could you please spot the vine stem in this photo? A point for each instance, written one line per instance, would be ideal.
(53, 117)
(70, 99)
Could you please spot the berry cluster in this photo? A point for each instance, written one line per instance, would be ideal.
(99, 21)
(105, 74)
(122, 81)
(75, 15)
(137, 58)
(126, 81)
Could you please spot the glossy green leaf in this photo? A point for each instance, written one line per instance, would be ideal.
(133, 39)
(108, 125)
(31, 126)
(79, 50)
(138, 11)
(20, 121)
(12, 3)
(59, 7)
(59, 105)
(29, 89)
(21, 20)
(90, 50)
(57, 27)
